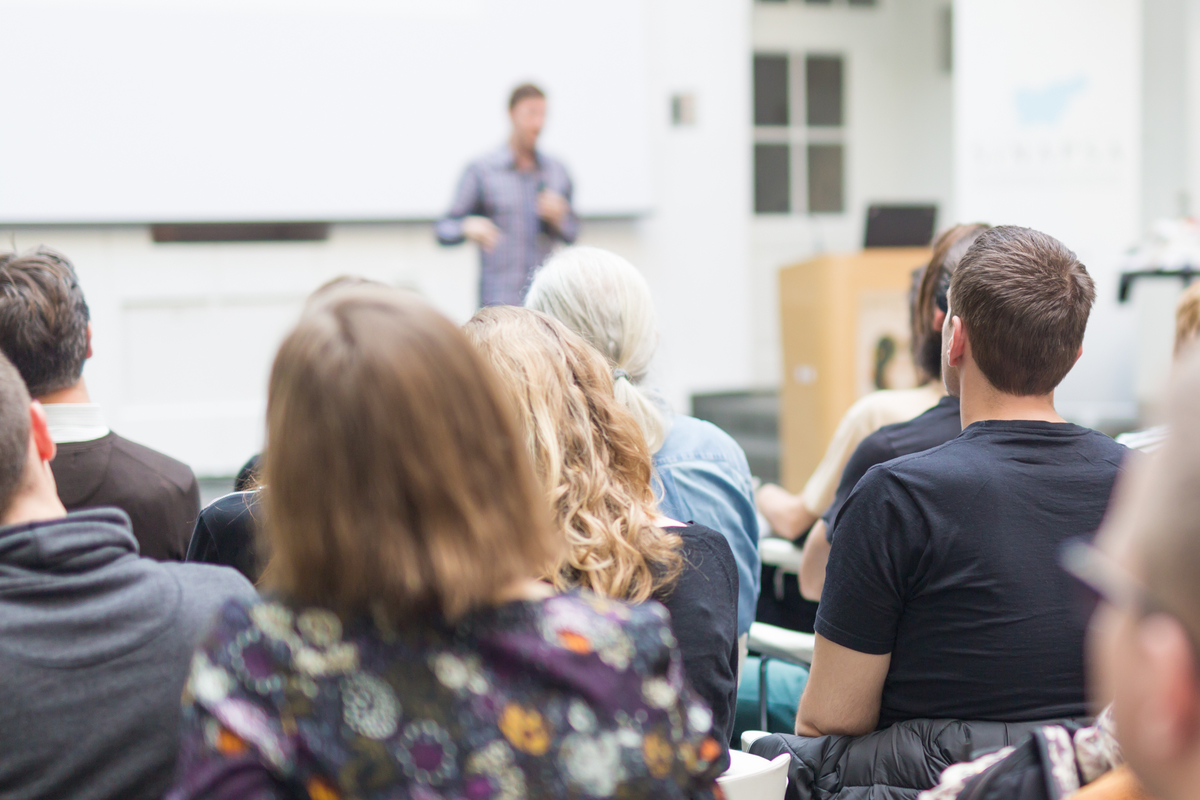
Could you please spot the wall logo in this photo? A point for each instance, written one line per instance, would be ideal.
(1046, 105)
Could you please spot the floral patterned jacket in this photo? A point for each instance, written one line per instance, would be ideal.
(574, 696)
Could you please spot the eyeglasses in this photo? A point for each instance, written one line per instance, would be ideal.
(1101, 578)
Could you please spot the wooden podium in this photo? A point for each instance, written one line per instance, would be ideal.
(846, 332)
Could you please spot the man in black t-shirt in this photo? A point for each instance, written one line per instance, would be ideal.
(943, 596)
(937, 425)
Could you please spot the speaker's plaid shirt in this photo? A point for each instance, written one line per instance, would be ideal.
(493, 187)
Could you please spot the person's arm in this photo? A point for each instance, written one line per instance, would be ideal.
(567, 226)
(790, 515)
(703, 607)
(784, 511)
(191, 513)
(201, 547)
(873, 450)
(226, 729)
(454, 228)
(859, 422)
(229, 769)
(879, 540)
(844, 691)
(813, 560)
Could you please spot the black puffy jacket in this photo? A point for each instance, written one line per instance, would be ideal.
(895, 763)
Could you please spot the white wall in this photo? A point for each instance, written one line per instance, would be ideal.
(328, 110)
(184, 333)
(1165, 110)
(1048, 124)
(898, 135)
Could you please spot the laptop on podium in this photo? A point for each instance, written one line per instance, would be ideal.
(900, 225)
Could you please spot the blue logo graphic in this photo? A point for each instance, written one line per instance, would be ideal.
(1045, 106)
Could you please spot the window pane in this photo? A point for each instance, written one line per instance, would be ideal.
(823, 83)
(825, 179)
(772, 184)
(770, 90)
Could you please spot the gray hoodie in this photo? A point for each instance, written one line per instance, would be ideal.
(95, 645)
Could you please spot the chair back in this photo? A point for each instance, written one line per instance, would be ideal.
(752, 777)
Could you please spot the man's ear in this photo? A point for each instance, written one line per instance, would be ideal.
(1079, 355)
(939, 319)
(957, 346)
(89, 341)
(1169, 718)
(39, 430)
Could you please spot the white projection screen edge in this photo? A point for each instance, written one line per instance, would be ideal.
(193, 111)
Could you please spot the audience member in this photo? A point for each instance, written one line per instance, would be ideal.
(1187, 330)
(514, 202)
(701, 472)
(595, 468)
(943, 597)
(1143, 652)
(785, 682)
(94, 641)
(45, 331)
(226, 531)
(791, 515)
(1140, 575)
(409, 649)
(937, 425)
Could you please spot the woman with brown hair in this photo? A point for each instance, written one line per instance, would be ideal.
(595, 466)
(408, 649)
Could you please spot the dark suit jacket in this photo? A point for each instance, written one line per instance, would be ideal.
(160, 495)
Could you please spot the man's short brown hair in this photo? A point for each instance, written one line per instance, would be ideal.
(524, 92)
(1024, 299)
(14, 431)
(43, 319)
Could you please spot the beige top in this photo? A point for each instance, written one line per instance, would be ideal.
(866, 416)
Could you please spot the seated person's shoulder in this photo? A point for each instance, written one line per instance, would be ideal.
(690, 438)
(226, 533)
(941, 460)
(138, 457)
(887, 406)
(1110, 448)
(582, 618)
(701, 544)
(231, 509)
(206, 587)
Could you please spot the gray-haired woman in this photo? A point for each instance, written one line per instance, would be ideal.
(702, 472)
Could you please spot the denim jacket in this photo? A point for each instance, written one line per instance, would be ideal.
(704, 478)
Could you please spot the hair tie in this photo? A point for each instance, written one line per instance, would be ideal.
(619, 373)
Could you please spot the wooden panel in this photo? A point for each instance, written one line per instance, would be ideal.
(821, 313)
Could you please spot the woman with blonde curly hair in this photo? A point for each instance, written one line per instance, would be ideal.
(595, 467)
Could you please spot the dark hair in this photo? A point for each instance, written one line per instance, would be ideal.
(14, 431)
(394, 475)
(1024, 299)
(524, 92)
(43, 319)
(948, 251)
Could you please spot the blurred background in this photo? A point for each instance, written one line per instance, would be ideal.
(207, 163)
